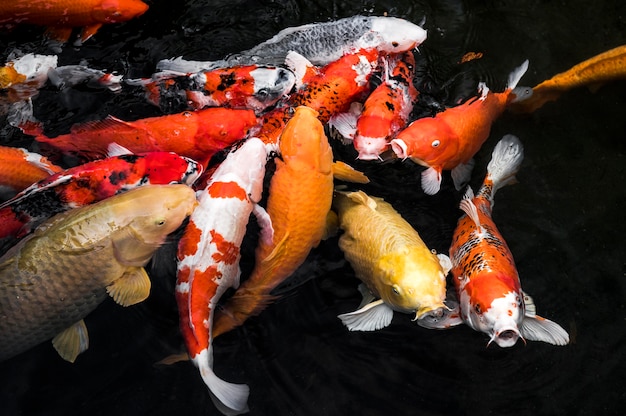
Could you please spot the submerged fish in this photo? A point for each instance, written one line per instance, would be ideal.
(300, 194)
(54, 278)
(450, 139)
(593, 72)
(194, 134)
(20, 168)
(320, 43)
(88, 183)
(484, 273)
(399, 271)
(62, 16)
(208, 259)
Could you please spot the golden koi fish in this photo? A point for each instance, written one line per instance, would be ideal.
(391, 259)
(56, 276)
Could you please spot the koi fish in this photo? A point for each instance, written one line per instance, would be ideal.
(20, 168)
(385, 111)
(54, 278)
(298, 217)
(62, 16)
(22, 76)
(605, 67)
(197, 135)
(88, 183)
(320, 43)
(399, 272)
(208, 259)
(253, 86)
(450, 139)
(484, 273)
(329, 90)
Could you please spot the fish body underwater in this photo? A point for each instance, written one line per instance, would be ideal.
(55, 277)
(20, 168)
(388, 255)
(299, 199)
(208, 259)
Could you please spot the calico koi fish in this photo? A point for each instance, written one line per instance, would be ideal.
(298, 217)
(252, 86)
(54, 278)
(20, 168)
(398, 271)
(450, 139)
(62, 16)
(320, 43)
(197, 135)
(385, 111)
(484, 273)
(329, 90)
(88, 183)
(593, 72)
(208, 259)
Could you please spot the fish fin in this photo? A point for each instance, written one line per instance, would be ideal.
(87, 32)
(516, 75)
(108, 122)
(72, 341)
(344, 172)
(115, 149)
(506, 159)
(174, 358)
(462, 173)
(483, 89)
(468, 207)
(537, 328)
(431, 181)
(277, 249)
(445, 263)
(375, 315)
(265, 223)
(361, 197)
(345, 124)
(442, 318)
(366, 295)
(529, 305)
(133, 287)
(59, 33)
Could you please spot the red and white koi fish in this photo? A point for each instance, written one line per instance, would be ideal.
(385, 111)
(208, 259)
(484, 273)
(194, 134)
(450, 139)
(20, 168)
(89, 183)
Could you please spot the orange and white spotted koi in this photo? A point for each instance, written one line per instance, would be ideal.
(208, 259)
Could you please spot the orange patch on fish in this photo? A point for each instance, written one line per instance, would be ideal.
(227, 252)
(227, 190)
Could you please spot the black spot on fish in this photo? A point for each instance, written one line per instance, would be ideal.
(130, 158)
(116, 177)
(389, 106)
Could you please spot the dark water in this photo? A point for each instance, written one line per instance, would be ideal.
(564, 222)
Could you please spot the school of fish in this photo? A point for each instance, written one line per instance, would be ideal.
(71, 235)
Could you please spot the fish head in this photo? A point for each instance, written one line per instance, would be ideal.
(412, 282)
(500, 319)
(303, 141)
(392, 35)
(270, 84)
(115, 11)
(370, 148)
(169, 167)
(427, 141)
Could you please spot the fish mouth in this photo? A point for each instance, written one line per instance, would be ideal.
(506, 337)
(436, 311)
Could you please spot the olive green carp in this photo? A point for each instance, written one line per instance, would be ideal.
(60, 273)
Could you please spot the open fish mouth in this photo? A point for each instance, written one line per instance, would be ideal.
(506, 337)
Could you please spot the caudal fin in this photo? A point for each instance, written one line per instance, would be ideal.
(505, 161)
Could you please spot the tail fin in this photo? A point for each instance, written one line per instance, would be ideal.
(516, 75)
(505, 161)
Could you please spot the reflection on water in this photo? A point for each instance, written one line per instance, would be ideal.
(564, 222)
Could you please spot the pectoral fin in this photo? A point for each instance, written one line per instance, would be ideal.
(541, 329)
(265, 223)
(347, 173)
(72, 341)
(431, 181)
(462, 174)
(373, 316)
(133, 287)
(445, 263)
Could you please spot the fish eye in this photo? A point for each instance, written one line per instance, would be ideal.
(263, 93)
(395, 289)
(477, 309)
(159, 222)
(435, 143)
(395, 44)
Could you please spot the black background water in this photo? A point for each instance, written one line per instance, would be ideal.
(564, 222)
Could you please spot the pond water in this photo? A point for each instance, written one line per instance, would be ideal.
(564, 221)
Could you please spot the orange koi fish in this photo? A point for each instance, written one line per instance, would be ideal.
(88, 183)
(298, 217)
(605, 67)
(61, 16)
(385, 111)
(252, 86)
(197, 134)
(484, 273)
(450, 139)
(208, 259)
(20, 168)
(329, 90)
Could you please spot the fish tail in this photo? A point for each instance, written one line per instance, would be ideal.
(516, 75)
(505, 161)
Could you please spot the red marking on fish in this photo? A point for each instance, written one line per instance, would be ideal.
(227, 190)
